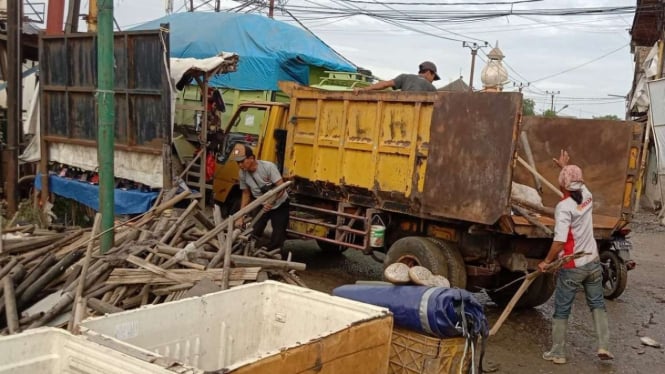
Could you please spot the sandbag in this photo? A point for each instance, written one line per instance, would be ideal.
(439, 311)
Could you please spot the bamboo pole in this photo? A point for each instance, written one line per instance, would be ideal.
(228, 246)
(10, 305)
(84, 272)
(537, 174)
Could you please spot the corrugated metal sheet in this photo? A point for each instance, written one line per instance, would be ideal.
(142, 93)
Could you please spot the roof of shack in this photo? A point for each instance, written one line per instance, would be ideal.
(269, 50)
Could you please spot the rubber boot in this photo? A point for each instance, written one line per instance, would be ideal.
(603, 333)
(558, 352)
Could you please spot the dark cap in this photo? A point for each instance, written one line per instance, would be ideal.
(428, 65)
(241, 152)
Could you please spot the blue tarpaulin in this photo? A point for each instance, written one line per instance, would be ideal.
(126, 201)
(269, 50)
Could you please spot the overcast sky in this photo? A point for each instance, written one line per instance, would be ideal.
(538, 49)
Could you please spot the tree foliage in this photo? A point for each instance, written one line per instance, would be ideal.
(549, 113)
(528, 107)
(611, 117)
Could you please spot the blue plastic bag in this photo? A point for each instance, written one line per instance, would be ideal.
(439, 311)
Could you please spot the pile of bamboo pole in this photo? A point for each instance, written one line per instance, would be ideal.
(57, 279)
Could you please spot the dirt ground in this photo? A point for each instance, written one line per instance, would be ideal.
(518, 346)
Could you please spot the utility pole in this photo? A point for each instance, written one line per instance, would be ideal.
(474, 51)
(168, 6)
(552, 93)
(217, 5)
(14, 95)
(521, 86)
(191, 5)
(271, 9)
(106, 121)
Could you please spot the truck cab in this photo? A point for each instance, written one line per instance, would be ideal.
(260, 125)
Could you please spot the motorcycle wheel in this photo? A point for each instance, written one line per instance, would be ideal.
(615, 274)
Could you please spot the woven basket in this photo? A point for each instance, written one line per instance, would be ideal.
(414, 353)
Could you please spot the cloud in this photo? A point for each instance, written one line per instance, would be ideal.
(535, 46)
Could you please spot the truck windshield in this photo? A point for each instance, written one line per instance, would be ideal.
(248, 120)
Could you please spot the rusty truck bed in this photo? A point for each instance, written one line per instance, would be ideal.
(450, 155)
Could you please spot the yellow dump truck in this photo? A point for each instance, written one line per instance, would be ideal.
(430, 179)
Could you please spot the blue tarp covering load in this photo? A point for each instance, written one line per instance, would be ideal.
(439, 311)
(126, 201)
(269, 50)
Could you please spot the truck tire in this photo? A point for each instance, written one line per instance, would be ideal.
(615, 274)
(417, 250)
(538, 293)
(453, 261)
(330, 248)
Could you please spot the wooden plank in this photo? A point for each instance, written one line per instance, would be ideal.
(140, 276)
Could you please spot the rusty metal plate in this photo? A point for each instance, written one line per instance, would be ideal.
(469, 166)
(601, 148)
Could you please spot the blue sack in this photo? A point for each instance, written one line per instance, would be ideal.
(439, 311)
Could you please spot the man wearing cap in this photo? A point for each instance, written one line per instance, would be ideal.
(409, 82)
(256, 178)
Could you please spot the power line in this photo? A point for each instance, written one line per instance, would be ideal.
(581, 65)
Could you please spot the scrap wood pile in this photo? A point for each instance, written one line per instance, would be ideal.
(158, 257)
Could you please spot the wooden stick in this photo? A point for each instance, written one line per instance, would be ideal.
(536, 208)
(524, 139)
(10, 305)
(537, 174)
(506, 312)
(47, 277)
(228, 247)
(251, 206)
(102, 307)
(84, 272)
(34, 254)
(532, 220)
(217, 218)
(179, 221)
(8, 267)
(528, 279)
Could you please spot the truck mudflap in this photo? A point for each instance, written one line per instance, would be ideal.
(470, 161)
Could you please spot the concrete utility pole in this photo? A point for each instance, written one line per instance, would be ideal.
(106, 121)
(14, 95)
(552, 93)
(474, 51)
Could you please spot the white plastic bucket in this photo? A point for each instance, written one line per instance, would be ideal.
(376, 235)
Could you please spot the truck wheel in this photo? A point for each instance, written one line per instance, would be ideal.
(331, 248)
(417, 250)
(615, 274)
(538, 293)
(453, 262)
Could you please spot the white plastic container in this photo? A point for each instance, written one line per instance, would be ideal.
(56, 351)
(267, 327)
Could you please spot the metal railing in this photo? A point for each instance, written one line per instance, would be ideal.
(34, 11)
